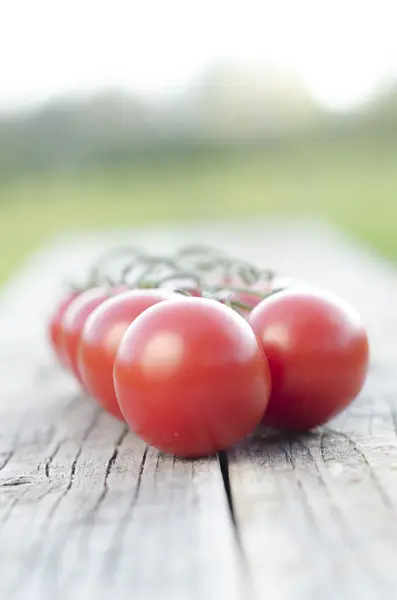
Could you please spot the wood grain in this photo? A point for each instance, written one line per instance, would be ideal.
(88, 511)
(316, 514)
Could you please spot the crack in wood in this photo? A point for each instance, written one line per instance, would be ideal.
(338, 514)
(353, 445)
(223, 461)
(7, 459)
(16, 482)
(111, 557)
(224, 468)
(73, 467)
(108, 470)
(50, 459)
(289, 455)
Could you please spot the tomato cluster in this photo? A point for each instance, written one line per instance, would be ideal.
(195, 350)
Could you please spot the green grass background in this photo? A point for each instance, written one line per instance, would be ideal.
(353, 187)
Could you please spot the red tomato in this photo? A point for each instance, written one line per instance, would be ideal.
(73, 321)
(55, 327)
(190, 377)
(317, 350)
(100, 339)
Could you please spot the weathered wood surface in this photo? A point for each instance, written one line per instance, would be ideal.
(87, 511)
(317, 514)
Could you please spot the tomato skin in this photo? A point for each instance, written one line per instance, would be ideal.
(190, 377)
(101, 337)
(74, 319)
(318, 356)
(55, 331)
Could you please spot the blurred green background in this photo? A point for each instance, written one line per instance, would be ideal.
(240, 138)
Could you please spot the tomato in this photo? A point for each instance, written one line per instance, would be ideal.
(190, 377)
(73, 321)
(100, 339)
(55, 327)
(317, 350)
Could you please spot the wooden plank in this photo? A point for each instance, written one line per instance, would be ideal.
(316, 513)
(86, 509)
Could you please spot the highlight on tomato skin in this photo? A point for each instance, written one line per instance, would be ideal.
(101, 337)
(318, 354)
(191, 378)
(74, 319)
(55, 327)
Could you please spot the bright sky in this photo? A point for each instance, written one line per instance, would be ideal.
(341, 48)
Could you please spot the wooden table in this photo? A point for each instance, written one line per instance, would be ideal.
(87, 511)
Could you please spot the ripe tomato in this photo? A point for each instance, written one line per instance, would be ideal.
(55, 327)
(317, 350)
(190, 377)
(100, 339)
(73, 321)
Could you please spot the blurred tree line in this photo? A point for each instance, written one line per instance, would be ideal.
(233, 107)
